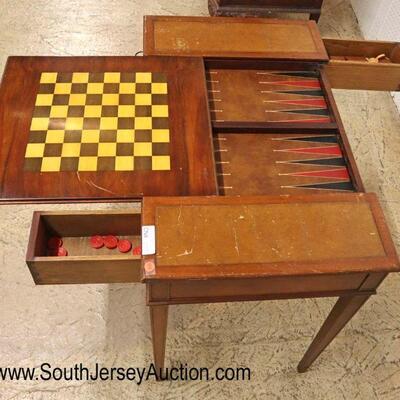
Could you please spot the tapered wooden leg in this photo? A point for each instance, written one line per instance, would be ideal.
(159, 322)
(344, 309)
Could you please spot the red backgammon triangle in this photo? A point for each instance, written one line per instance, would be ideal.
(327, 150)
(340, 173)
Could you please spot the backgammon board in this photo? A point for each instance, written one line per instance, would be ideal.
(268, 163)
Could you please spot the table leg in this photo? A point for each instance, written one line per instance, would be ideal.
(159, 322)
(344, 309)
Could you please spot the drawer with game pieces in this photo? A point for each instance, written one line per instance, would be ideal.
(85, 247)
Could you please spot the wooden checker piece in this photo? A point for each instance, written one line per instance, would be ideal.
(104, 128)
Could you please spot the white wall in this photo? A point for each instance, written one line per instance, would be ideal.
(379, 19)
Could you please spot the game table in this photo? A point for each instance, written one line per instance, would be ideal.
(246, 182)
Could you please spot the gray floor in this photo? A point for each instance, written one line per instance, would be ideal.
(109, 324)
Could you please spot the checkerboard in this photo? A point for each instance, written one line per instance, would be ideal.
(108, 121)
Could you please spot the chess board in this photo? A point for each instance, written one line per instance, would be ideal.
(104, 129)
(108, 121)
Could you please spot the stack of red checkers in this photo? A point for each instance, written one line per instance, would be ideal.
(112, 242)
(54, 247)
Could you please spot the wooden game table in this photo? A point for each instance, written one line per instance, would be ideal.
(243, 180)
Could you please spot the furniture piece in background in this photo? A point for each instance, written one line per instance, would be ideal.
(263, 8)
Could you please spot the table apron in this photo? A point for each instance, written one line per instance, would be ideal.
(273, 288)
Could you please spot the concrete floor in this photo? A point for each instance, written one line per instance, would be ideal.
(109, 323)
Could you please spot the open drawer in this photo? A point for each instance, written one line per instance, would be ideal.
(83, 264)
(354, 64)
(213, 237)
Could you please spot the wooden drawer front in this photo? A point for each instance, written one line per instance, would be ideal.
(349, 68)
(83, 264)
(260, 288)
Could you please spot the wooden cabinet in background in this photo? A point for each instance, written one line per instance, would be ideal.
(263, 8)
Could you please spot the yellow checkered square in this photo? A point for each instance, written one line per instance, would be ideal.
(87, 163)
(55, 136)
(124, 163)
(62, 88)
(95, 88)
(59, 112)
(159, 88)
(92, 111)
(90, 136)
(44, 100)
(77, 99)
(142, 149)
(112, 77)
(39, 124)
(143, 77)
(160, 136)
(125, 136)
(110, 99)
(126, 111)
(34, 150)
(159, 111)
(74, 124)
(48, 77)
(143, 122)
(143, 99)
(108, 123)
(80, 77)
(107, 149)
(127, 88)
(71, 150)
(51, 164)
(160, 163)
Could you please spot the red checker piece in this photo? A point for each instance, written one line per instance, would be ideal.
(59, 252)
(97, 242)
(124, 245)
(137, 251)
(110, 241)
(62, 252)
